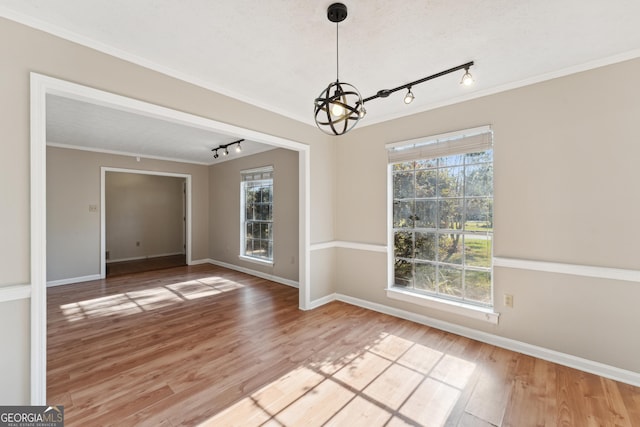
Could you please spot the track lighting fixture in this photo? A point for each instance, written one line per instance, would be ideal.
(408, 98)
(224, 148)
(340, 106)
(467, 78)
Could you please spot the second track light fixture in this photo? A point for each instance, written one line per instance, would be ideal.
(224, 148)
(339, 107)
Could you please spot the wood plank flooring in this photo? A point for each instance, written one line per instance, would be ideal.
(208, 346)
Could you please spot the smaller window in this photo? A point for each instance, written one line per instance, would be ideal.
(256, 231)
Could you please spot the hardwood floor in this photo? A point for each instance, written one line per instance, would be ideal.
(209, 346)
(147, 264)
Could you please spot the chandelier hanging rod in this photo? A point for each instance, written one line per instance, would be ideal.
(386, 92)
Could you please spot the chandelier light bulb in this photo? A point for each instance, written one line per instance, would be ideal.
(337, 110)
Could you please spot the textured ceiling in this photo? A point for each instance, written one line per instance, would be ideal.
(72, 123)
(280, 54)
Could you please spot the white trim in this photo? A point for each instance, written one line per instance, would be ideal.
(260, 274)
(41, 86)
(38, 244)
(199, 262)
(103, 207)
(304, 228)
(73, 280)
(136, 258)
(467, 310)
(322, 301)
(597, 368)
(349, 245)
(14, 292)
(572, 269)
(255, 260)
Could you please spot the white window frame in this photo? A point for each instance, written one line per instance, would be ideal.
(265, 170)
(441, 145)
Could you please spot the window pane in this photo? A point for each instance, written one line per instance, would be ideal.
(402, 273)
(403, 244)
(405, 166)
(450, 248)
(479, 214)
(451, 160)
(270, 250)
(426, 163)
(425, 277)
(450, 281)
(477, 250)
(450, 214)
(403, 185)
(248, 250)
(481, 157)
(403, 214)
(478, 286)
(479, 180)
(425, 246)
(443, 225)
(425, 213)
(451, 182)
(426, 183)
(248, 230)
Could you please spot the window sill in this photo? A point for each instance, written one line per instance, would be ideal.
(255, 260)
(479, 313)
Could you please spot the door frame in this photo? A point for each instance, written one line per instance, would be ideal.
(42, 85)
(186, 203)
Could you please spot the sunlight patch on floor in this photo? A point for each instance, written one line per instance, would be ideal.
(141, 300)
(393, 382)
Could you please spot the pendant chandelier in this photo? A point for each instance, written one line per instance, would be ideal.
(340, 106)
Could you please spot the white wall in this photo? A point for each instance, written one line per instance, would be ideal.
(144, 215)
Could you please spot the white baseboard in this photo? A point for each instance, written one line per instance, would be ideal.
(322, 301)
(200, 262)
(564, 359)
(260, 274)
(73, 280)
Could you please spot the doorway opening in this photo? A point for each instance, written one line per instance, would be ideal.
(144, 221)
(41, 86)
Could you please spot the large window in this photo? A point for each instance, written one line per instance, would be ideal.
(443, 217)
(257, 214)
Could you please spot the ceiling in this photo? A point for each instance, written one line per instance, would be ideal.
(280, 55)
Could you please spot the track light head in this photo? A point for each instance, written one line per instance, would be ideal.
(225, 152)
(408, 98)
(467, 78)
(238, 148)
(215, 154)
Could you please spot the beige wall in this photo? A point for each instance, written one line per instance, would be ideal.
(144, 215)
(565, 168)
(224, 226)
(73, 182)
(24, 50)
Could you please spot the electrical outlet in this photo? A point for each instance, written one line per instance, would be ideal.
(508, 300)
(93, 208)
